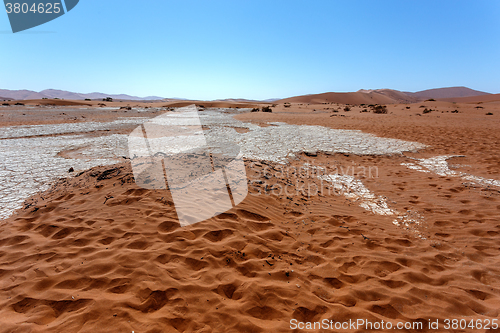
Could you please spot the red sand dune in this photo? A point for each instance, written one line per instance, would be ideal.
(390, 96)
(342, 98)
(475, 99)
(449, 92)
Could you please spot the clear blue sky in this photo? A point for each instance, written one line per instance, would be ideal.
(256, 49)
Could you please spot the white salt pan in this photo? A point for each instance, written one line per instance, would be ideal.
(439, 165)
(29, 159)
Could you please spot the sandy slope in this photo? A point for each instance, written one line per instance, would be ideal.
(389, 96)
(344, 98)
(99, 254)
(475, 99)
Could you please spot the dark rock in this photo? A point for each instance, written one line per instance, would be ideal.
(109, 174)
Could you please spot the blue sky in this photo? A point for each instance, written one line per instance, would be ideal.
(256, 49)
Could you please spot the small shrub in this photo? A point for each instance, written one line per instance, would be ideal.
(489, 114)
(6, 104)
(347, 108)
(380, 109)
(267, 109)
(107, 99)
(422, 106)
(426, 111)
(430, 100)
(479, 107)
(19, 104)
(255, 110)
(454, 111)
(364, 110)
(287, 105)
(87, 99)
(407, 108)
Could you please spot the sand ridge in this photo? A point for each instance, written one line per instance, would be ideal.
(128, 265)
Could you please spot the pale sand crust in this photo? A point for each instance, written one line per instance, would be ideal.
(98, 254)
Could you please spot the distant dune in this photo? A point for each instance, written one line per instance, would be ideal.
(451, 92)
(95, 95)
(475, 99)
(62, 94)
(377, 96)
(397, 96)
(371, 97)
(385, 96)
(21, 94)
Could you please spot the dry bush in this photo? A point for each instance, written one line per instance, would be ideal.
(380, 109)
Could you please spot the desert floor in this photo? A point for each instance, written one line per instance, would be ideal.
(97, 253)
